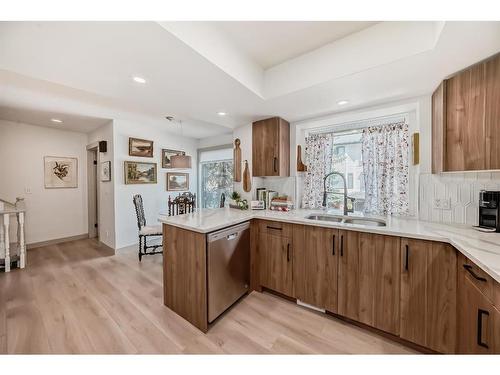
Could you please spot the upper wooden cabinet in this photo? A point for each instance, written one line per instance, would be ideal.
(492, 113)
(271, 148)
(465, 120)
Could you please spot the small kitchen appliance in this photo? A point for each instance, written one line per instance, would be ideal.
(489, 210)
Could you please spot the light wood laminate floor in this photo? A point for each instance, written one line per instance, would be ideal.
(77, 298)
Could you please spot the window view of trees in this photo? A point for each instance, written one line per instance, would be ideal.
(216, 178)
(347, 159)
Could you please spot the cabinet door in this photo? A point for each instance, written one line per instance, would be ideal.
(276, 263)
(479, 329)
(465, 133)
(413, 303)
(438, 128)
(428, 294)
(369, 279)
(348, 279)
(319, 274)
(265, 147)
(441, 298)
(271, 147)
(492, 113)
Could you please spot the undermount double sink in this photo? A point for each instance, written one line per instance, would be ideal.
(369, 222)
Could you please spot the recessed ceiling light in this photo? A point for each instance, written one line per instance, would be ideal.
(56, 120)
(342, 102)
(139, 79)
(221, 113)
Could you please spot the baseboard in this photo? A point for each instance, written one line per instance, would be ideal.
(56, 241)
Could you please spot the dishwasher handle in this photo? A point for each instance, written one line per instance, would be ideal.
(229, 233)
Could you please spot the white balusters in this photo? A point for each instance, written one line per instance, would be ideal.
(6, 241)
(22, 245)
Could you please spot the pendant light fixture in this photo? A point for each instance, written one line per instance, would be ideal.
(182, 160)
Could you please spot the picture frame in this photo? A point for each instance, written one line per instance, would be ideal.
(140, 147)
(138, 172)
(106, 171)
(177, 181)
(166, 154)
(60, 172)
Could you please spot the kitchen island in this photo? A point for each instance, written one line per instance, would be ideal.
(400, 278)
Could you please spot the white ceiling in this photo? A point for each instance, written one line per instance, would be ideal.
(195, 69)
(77, 123)
(270, 43)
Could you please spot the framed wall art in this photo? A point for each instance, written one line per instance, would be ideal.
(106, 171)
(166, 155)
(140, 147)
(60, 172)
(177, 181)
(137, 172)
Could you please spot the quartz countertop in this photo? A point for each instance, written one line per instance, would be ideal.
(482, 248)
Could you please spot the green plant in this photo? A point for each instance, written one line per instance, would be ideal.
(235, 196)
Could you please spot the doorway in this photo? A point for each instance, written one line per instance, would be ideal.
(92, 191)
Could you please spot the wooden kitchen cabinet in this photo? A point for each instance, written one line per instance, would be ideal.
(316, 266)
(368, 279)
(428, 294)
(479, 322)
(275, 257)
(438, 128)
(492, 113)
(465, 113)
(271, 147)
(465, 135)
(478, 329)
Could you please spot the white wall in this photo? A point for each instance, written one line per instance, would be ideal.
(106, 199)
(51, 213)
(154, 196)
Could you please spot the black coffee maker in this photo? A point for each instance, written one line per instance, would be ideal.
(489, 210)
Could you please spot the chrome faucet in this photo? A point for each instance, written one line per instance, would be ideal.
(325, 192)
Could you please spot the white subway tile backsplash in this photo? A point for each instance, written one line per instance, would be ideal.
(463, 191)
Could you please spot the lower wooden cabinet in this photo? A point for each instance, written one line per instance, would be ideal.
(479, 322)
(478, 328)
(368, 279)
(428, 294)
(315, 266)
(275, 260)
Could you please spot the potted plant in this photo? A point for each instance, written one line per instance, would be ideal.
(237, 202)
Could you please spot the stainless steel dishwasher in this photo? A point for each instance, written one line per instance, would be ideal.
(228, 267)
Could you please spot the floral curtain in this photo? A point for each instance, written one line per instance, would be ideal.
(385, 152)
(318, 158)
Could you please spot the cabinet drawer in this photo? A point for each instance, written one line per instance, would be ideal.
(275, 228)
(480, 279)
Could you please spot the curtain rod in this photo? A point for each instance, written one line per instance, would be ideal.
(357, 124)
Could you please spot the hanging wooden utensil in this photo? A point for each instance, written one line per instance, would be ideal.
(300, 166)
(237, 160)
(247, 184)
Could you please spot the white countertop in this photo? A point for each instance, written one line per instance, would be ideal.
(482, 248)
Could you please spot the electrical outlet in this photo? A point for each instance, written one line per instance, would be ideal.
(446, 204)
(107, 234)
(27, 190)
(442, 203)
